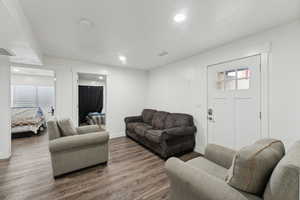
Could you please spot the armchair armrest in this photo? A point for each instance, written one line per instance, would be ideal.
(89, 129)
(133, 119)
(190, 183)
(76, 141)
(220, 155)
(179, 131)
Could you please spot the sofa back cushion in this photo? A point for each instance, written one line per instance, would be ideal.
(159, 118)
(147, 115)
(178, 120)
(253, 165)
(284, 183)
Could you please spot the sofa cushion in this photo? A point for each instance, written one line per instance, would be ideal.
(141, 129)
(147, 115)
(209, 167)
(178, 119)
(253, 165)
(284, 181)
(154, 135)
(159, 118)
(131, 126)
(67, 128)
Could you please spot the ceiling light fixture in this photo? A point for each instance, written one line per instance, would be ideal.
(101, 77)
(85, 23)
(180, 17)
(123, 59)
(16, 70)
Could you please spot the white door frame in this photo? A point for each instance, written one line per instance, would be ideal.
(75, 95)
(264, 91)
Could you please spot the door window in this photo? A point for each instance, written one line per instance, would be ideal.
(238, 79)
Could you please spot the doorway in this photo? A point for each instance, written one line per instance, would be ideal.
(234, 102)
(32, 100)
(91, 99)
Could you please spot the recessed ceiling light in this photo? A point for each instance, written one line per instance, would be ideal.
(123, 59)
(85, 23)
(180, 17)
(16, 70)
(100, 77)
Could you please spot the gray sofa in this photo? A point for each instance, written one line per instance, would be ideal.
(204, 178)
(164, 133)
(70, 153)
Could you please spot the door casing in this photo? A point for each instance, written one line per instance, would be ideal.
(265, 123)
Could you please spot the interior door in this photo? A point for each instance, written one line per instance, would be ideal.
(234, 106)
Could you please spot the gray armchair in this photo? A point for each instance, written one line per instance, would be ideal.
(87, 148)
(203, 178)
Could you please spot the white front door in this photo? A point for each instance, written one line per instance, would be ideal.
(234, 102)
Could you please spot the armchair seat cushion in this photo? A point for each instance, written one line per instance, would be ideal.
(209, 167)
(77, 141)
(154, 135)
(141, 129)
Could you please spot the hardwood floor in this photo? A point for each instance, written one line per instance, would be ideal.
(132, 173)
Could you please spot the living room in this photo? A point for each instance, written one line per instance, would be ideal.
(203, 72)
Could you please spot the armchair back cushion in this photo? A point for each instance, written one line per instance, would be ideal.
(178, 120)
(147, 115)
(253, 165)
(284, 183)
(159, 118)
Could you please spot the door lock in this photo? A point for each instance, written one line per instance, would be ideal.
(210, 116)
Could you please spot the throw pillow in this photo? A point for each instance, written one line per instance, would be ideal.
(67, 128)
(253, 165)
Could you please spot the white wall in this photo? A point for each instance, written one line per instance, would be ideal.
(181, 86)
(17, 79)
(5, 140)
(126, 90)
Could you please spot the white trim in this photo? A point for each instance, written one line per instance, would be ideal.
(75, 78)
(264, 52)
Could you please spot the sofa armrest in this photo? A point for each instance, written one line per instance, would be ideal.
(89, 129)
(178, 131)
(190, 183)
(220, 155)
(133, 119)
(78, 141)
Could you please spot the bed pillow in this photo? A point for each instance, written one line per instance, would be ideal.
(253, 165)
(67, 128)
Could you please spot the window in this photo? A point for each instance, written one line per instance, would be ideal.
(234, 79)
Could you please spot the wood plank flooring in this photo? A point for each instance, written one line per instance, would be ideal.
(132, 173)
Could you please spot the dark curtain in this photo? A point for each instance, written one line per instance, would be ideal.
(90, 100)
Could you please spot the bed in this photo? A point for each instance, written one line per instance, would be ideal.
(27, 119)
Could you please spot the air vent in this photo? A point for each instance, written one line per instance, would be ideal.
(4, 52)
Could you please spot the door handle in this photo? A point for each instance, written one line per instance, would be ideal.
(210, 116)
